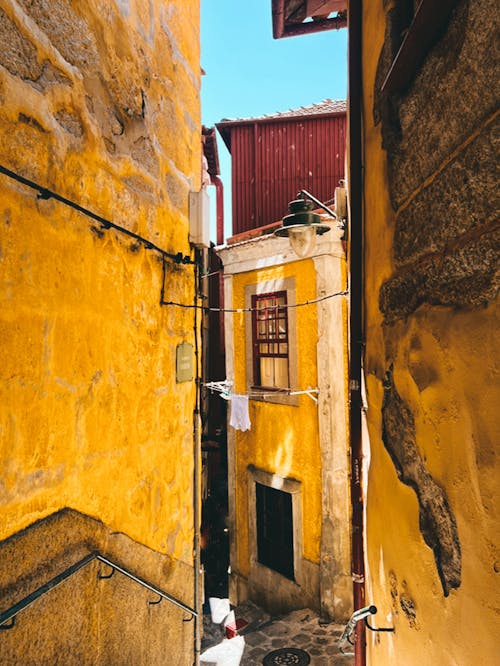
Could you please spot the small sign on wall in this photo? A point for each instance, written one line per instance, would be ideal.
(184, 362)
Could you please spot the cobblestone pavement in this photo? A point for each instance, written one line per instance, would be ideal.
(263, 634)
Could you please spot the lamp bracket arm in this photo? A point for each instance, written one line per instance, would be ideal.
(305, 193)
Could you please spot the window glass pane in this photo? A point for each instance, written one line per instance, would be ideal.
(281, 372)
(270, 330)
(274, 372)
(267, 372)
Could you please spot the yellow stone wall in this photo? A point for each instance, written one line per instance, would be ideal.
(100, 103)
(283, 439)
(444, 370)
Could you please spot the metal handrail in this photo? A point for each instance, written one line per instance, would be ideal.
(14, 610)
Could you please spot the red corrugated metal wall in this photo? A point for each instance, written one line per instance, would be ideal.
(272, 161)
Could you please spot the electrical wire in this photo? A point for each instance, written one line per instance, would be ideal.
(44, 193)
(271, 307)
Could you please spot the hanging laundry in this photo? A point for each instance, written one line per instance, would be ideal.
(240, 419)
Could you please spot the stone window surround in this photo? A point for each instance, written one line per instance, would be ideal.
(294, 488)
(270, 286)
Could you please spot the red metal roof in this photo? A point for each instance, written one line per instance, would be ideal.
(275, 156)
(326, 107)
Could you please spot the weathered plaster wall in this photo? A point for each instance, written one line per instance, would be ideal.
(98, 621)
(431, 260)
(100, 103)
(333, 373)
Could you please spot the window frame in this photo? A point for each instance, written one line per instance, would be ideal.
(261, 572)
(273, 338)
(277, 396)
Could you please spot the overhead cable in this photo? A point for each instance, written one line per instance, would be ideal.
(270, 307)
(45, 193)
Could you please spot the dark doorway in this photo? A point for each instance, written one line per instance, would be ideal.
(214, 530)
(275, 529)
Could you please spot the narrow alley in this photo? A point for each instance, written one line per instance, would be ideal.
(249, 358)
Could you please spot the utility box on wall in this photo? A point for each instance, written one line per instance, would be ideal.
(199, 218)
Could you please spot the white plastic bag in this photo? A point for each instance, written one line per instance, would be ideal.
(219, 609)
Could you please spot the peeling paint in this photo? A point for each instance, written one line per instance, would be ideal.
(437, 522)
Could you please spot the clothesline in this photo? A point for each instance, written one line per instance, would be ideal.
(240, 418)
(205, 308)
(224, 388)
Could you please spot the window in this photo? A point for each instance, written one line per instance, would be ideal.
(271, 370)
(279, 573)
(274, 529)
(415, 27)
(270, 340)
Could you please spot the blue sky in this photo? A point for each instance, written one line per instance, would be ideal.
(248, 73)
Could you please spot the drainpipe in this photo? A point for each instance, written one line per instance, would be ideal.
(196, 472)
(355, 315)
(219, 203)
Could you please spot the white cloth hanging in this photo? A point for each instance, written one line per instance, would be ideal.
(240, 419)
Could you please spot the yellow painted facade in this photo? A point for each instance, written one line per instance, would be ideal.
(444, 368)
(283, 439)
(100, 104)
(296, 443)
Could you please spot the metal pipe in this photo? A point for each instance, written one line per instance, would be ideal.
(219, 207)
(318, 203)
(355, 316)
(197, 480)
(360, 614)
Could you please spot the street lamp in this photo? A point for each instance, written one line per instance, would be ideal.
(302, 226)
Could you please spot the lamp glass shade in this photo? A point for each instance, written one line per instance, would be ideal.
(302, 240)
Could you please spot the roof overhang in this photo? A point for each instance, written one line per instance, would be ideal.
(225, 126)
(210, 151)
(300, 17)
